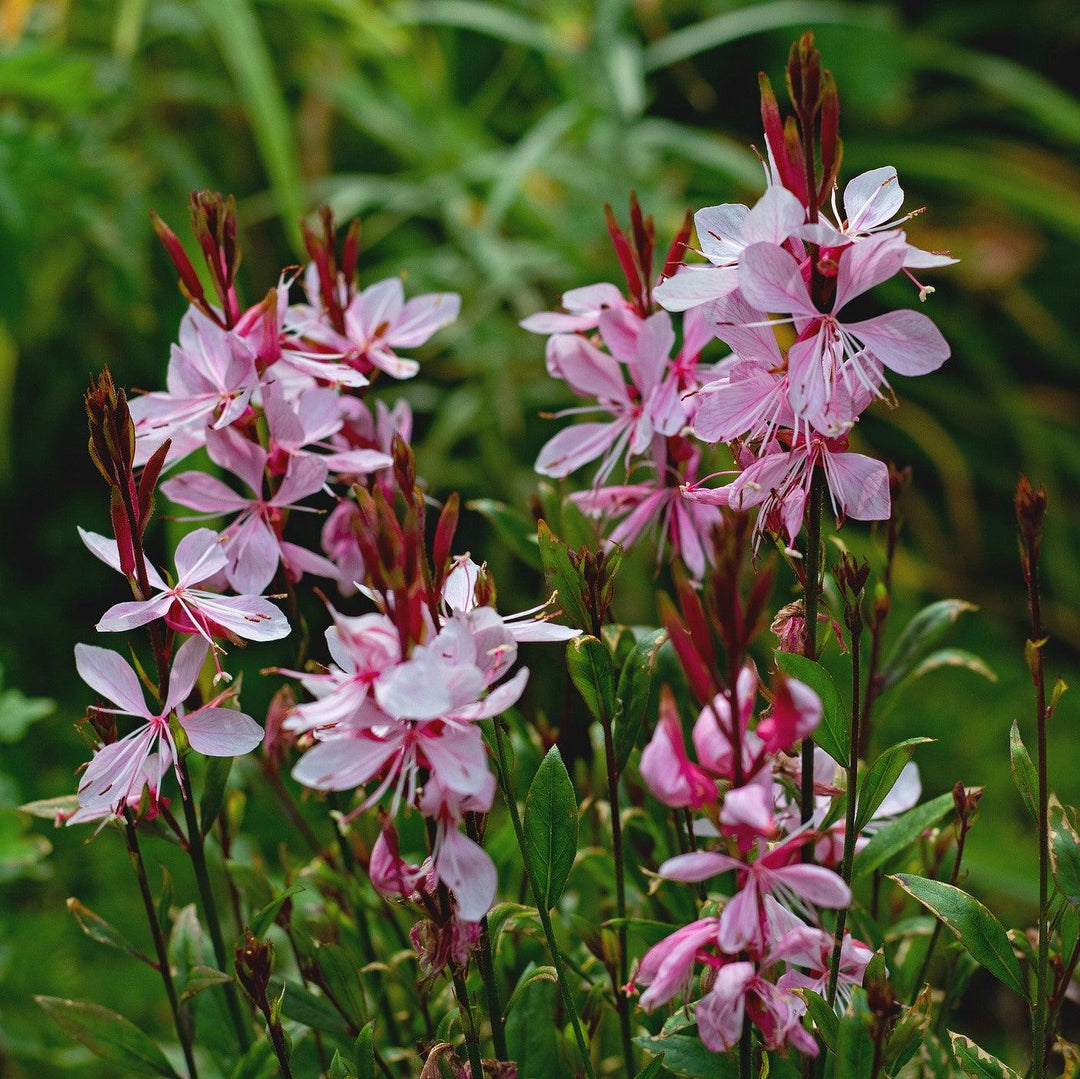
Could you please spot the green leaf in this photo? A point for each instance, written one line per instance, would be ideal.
(213, 796)
(364, 1052)
(1065, 853)
(533, 1034)
(498, 917)
(535, 974)
(551, 828)
(563, 577)
(301, 1005)
(952, 657)
(652, 1069)
(17, 712)
(825, 1019)
(881, 777)
(342, 982)
(108, 1035)
(910, 1030)
(978, 930)
(919, 636)
(854, 1046)
(1023, 771)
(338, 1068)
(900, 833)
(260, 923)
(834, 732)
(686, 1055)
(976, 1062)
(203, 977)
(512, 526)
(634, 692)
(96, 928)
(593, 673)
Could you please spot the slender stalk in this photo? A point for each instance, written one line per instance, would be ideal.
(811, 594)
(135, 855)
(472, 1039)
(281, 1050)
(622, 1003)
(487, 969)
(746, 1045)
(852, 791)
(510, 796)
(197, 852)
(877, 632)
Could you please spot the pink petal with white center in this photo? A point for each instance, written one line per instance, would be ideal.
(774, 217)
(116, 769)
(868, 263)
(720, 231)
(770, 280)
(375, 309)
(667, 771)
(619, 328)
(509, 693)
(394, 365)
(458, 757)
(904, 341)
(416, 689)
(815, 884)
(918, 259)
(747, 399)
(737, 324)
(586, 370)
(548, 322)
(299, 560)
(652, 352)
(872, 199)
(108, 673)
(766, 476)
(343, 763)
(811, 368)
(698, 866)
(740, 921)
(691, 286)
(123, 616)
(360, 462)
(529, 631)
(238, 455)
(747, 812)
(187, 663)
(105, 549)
(250, 617)
(575, 446)
(469, 873)
(253, 553)
(286, 428)
(305, 475)
(720, 1012)
(859, 485)
(204, 493)
(199, 555)
(221, 732)
(592, 299)
(421, 317)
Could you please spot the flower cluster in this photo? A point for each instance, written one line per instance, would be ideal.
(777, 287)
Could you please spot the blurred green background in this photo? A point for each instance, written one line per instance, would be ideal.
(479, 141)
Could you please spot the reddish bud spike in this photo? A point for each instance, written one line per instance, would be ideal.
(404, 465)
(694, 616)
(795, 181)
(444, 535)
(351, 251)
(626, 260)
(677, 250)
(644, 238)
(122, 531)
(701, 679)
(148, 481)
(830, 137)
(189, 279)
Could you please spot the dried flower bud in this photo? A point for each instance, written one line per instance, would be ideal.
(254, 965)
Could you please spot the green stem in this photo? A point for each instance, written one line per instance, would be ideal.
(622, 1002)
(510, 796)
(746, 1045)
(209, 905)
(135, 854)
(487, 969)
(852, 791)
(812, 590)
(472, 1039)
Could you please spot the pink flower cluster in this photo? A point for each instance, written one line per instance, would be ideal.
(777, 288)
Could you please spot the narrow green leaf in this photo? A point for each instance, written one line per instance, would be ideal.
(261, 921)
(512, 526)
(562, 577)
(203, 977)
(1065, 852)
(910, 1030)
(976, 1062)
(301, 1005)
(593, 673)
(891, 839)
(881, 777)
(96, 928)
(482, 18)
(364, 1052)
(108, 1035)
(652, 1069)
(687, 1056)
(854, 1046)
(825, 1019)
(919, 637)
(338, 1068)
(952, 657)
(834, 731)
(342, 982)
(551, 827)
(634, 692)
(1023, 771)
(534, 974)
(213, 796)
(978, 930)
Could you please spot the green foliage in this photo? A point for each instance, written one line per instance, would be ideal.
(834, 731)
(976, 1062)
(900, 833)
(551, 827)
(881, 777)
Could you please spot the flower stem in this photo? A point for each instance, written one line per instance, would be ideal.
(852, 791)
(197, 852)
(487, 969)
(135, 855)
(472, 1039)
(746, 1045)
(510, 796)
(811, 593)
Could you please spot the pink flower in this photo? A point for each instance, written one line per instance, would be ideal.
(812, 949)
(189, 609)
(252, 541)
(667, 771)
(583, 308)
(666, 968)
(117, 770)
(795, 713)
(829, 351)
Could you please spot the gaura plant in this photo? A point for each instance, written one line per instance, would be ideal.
(738, 881)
